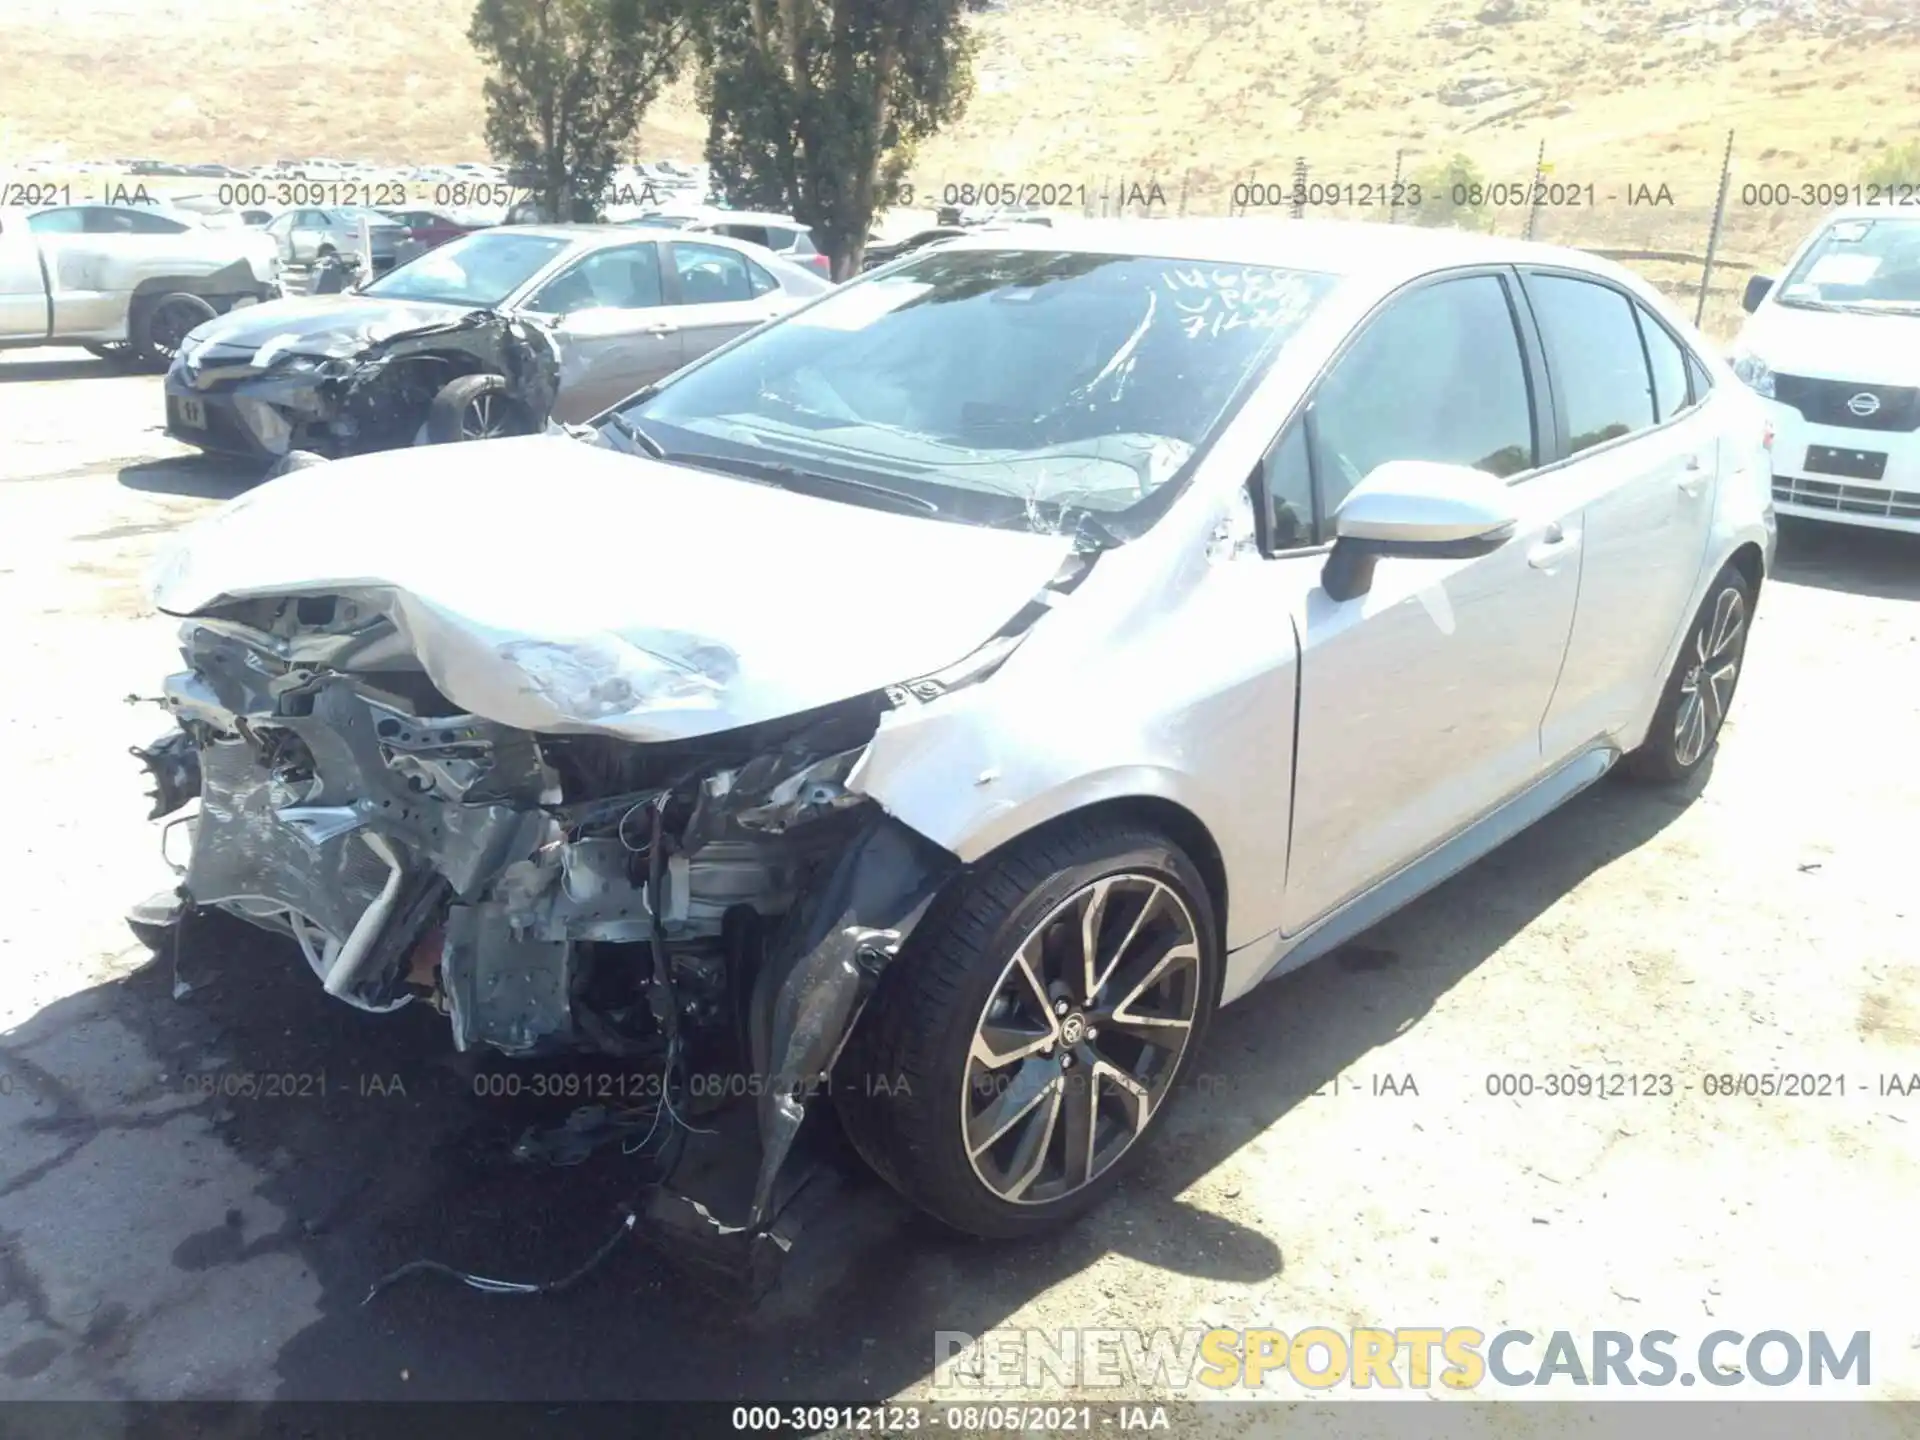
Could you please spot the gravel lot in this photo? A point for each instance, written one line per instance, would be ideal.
(158, 1243)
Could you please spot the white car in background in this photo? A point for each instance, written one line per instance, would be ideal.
(1834, 351)
(124, 281)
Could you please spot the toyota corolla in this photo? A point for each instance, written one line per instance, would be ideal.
(936, 705)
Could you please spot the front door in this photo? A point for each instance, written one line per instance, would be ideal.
(616, 331)
(23, 293)
(1421, 699)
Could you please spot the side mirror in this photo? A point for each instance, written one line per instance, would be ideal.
(1758, 287)
(1419, 509)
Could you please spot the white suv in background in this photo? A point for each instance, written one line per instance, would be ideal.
(1834, 350)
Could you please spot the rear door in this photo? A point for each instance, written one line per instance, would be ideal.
(1641, 454)
(1421, 699)
(718, 295)
(616, 331)
(23, 292)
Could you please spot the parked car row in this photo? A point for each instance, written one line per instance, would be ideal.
(121, 279)
(960, 683)
(494, 333)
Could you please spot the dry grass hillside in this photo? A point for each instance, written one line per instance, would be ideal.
(1196, 94)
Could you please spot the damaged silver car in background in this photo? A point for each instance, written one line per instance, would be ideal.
(927, 709)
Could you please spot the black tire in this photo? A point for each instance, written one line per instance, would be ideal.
(291, 461)
(1715, 645)
(115, 352)
(473, 407)
(909, 1082)
(160, 322)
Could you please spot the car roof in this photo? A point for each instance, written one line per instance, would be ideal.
(748, 217)
(594, 236)
(1373, 249)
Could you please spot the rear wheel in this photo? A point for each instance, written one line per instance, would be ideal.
(1686, 727)
(158, 325)
(1020, 1052)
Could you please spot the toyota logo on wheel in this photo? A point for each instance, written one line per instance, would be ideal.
(1864, 404)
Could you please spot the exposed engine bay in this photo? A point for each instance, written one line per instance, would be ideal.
(711, 905)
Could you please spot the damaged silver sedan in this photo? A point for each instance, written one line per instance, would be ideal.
(930, 708)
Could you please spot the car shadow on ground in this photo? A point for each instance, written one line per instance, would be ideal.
(1884, 564)
(399, 1160)
(208, 477)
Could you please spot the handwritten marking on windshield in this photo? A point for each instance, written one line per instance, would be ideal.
(1213, 300)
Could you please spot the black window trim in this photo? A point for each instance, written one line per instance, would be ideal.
(1540, 404)
(1562, 439)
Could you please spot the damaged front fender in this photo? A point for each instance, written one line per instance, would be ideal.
(821, 971)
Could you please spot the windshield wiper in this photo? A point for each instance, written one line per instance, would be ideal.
(638, 436)
(792, 477)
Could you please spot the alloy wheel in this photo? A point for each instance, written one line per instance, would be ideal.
(169, 328)
(1707, 686)
(1080, 1039)
(485, 417)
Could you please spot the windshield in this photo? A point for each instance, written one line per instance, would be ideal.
(1864, 264)
(478, 270)
(1005, 386)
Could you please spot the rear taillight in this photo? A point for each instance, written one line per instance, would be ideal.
(1766, 437)
(820, 265)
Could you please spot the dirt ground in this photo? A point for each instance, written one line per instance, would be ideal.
(156, 1241)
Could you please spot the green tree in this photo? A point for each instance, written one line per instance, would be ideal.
(1454, 194)
(814, 106)
(1896, 165)
(570, 81)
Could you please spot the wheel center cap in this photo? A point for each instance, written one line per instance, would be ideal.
(1073, 1028)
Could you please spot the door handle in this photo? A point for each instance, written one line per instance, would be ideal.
(663, 328)
(1693, 476)
(1555, 545)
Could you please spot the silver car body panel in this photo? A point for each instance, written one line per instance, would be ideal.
(1171, 674)
(668, 616)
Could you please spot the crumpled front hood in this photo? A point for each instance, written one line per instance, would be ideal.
(322, 325)
(555, 585)
(1836, 345)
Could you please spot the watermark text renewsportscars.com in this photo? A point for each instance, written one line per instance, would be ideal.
(1201, 1363)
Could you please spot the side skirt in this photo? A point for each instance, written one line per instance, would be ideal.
(1276, 955)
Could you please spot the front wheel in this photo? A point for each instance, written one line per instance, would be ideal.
(473, 407)
(158, 326)
(1020, 1051)
(1686, 727)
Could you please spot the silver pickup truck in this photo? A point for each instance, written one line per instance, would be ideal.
(124, 280)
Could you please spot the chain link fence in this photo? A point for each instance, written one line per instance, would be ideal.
(1697, 236)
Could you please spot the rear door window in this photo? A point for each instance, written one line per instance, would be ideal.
(1669, 365)
(1599, 367)
(711, 274)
